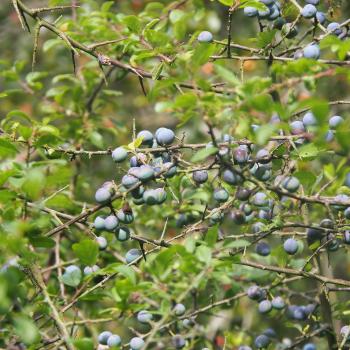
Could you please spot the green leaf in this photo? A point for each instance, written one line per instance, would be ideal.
(238, 243)
(127, 272)
(204, 154)
(49, 44)
(7, 148)
(84, 344)
(203, 253)
(309, 151)
(227, 75)
(86, 251)
(212, 236)
(226, 2)
(72, 279)
(133, 23)
(41, 242)
(135, 144)
(253, 3)
(201, 54)
(26, 330)
(34, 183)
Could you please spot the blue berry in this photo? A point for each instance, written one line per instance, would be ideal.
(290, 246)
(178, 341)
(205, 37)
(122, 233)
(347, 237)
(329, 136)
(334, 28)
(179, 309)
(263, 249)
(309, 119)
(147, 137)
(102, 195)
(129, 181)
(308, 11)
(262, 341)
(255, 293)
(250, 11)
(111, 222)
(321, 17)
(137, 343)
(312, 51)
(291, 184)
(164, 136)
(265, 306)
(231, 177)
(144, 173)
(278, 303)
(335, 121)
(99, 223)
(102, 242)
(221, 195)
(309, 346)
(103, 337)
(119, 154)
(132, 255)
(200, 176)
(260, 199)
(270, 333)
(125, 217)
(240, 154)
(114, 340)
(144, 316)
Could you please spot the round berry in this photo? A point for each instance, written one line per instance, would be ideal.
(132, 255)
(231, 177)
(102, 242)
(179, 309)
(205, 37)
(335, 121)
(265, 306)
(309, 119)
(290, 246)
(103, 337)
(321, 17)
(99, 223)
(312, 51)
(262, 341)
(122, 233)
(102, 195)
(165, 136)
(125, 217)
(178, 341)
(263, 249)
(119, 154)
(114, 340)
(250, 11)
(308, 11)
(144, 316)
(147, 137)
(200, 176)
(137, 343)
(221, 195)
(278, 303)
(309, 346)
(111, 222)
(334, 28)
(129, 181)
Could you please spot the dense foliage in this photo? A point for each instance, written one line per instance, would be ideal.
(175, 174)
